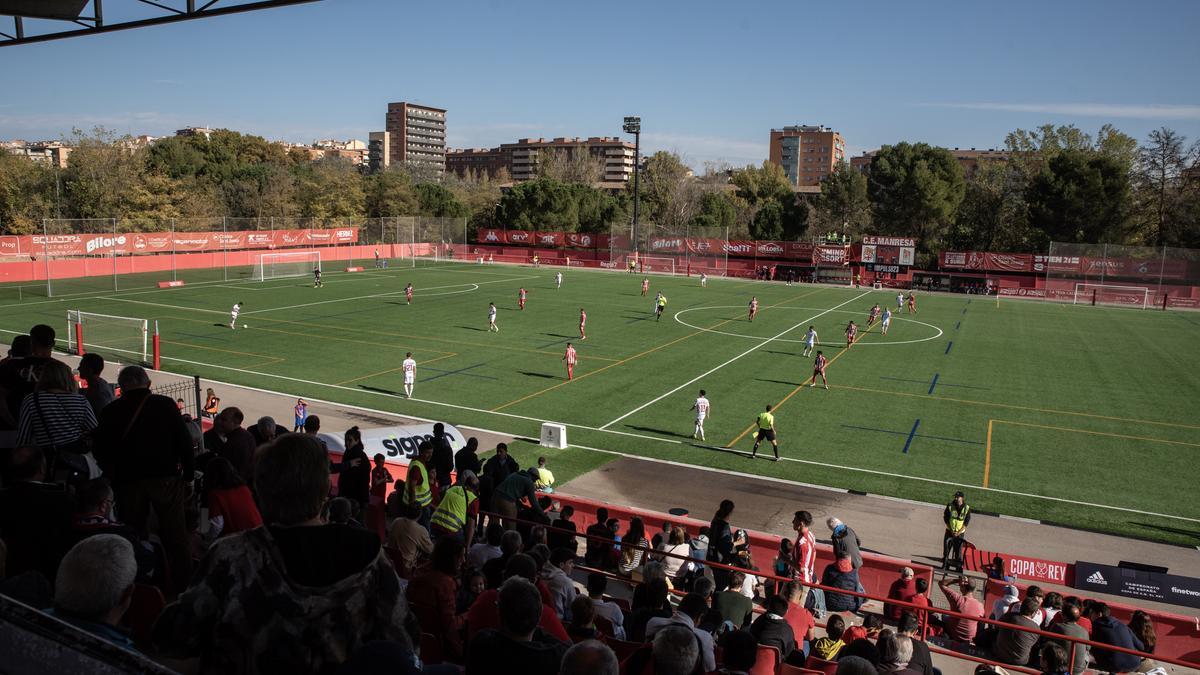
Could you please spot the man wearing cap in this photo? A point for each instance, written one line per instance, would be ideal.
(903, 589)
(956, 516)
(457, 514)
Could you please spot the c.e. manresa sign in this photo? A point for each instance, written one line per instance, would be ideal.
(1130, 583)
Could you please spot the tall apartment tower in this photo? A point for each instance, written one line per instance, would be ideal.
(379, 151)
(417, 135)
(807, 153)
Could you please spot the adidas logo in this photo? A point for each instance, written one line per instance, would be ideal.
(1097, 578)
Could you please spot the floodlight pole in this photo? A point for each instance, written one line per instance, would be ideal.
(633, 125)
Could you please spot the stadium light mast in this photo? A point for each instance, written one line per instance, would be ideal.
(633, 125)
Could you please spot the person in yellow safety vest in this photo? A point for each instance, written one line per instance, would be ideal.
(545, 480)
(457, 515)
(956, 516)
(417, 490)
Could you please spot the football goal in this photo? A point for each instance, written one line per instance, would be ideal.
(1108, 294)
(657, 264)
(290, 264)
(124, 335)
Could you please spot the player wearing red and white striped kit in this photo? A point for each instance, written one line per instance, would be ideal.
(873, 315)
(819, 365)
(570, 358)
(645, 286)
(701, 406)
(851, 333)
(582, 324)
(753, 307)
(521, 298)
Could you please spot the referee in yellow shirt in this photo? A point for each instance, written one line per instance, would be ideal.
(766, 430)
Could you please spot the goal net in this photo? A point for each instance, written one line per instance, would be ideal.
(291, 264)
(653, 264)
(127, 336)
(1108, 294)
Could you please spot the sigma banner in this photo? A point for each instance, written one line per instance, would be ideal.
(137, 243)
(1169, 588)
(1019, 566)
(398, 444)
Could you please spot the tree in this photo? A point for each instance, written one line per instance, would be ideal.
(545, 204)
(27, 194)
(1080, 197)
(1161, 164)
(669, 197)
(570, 165)
(716, 210)
(330, 188)
(768, 188)
(438, 202)
(915, 190)
(843, 201)
(390, 193)
(102, 175)
(993, 214)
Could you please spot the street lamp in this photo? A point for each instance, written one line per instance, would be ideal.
(633, 125)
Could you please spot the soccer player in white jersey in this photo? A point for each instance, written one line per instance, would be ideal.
(558, 280)
(810, 340)
(492, 318)
(701, 406)
(410, 374)
(703, 280)
(885, 322)
(233, 314)
(899, 301)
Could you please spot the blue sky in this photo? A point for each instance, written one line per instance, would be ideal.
(709, 79)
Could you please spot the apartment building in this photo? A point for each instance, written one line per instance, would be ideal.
(807, 153)
(417, 135)
(521, 158)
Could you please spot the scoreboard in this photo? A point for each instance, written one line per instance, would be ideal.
(888, 255)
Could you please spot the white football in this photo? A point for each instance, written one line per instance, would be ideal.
(245, 326)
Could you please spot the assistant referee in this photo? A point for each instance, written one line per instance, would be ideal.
(766, 430)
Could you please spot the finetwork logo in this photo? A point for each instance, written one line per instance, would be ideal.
(1097, 578)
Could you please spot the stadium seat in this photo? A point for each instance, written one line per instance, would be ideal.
(789, 669)
(431, 649)
(604, 625)
(393, 555)
(821, 665)
(621, 648)
(767, 661)
(144, 607)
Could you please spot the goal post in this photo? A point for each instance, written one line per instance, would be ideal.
(1109, 294)
(124, 335)
(288, 264)
(657, 264)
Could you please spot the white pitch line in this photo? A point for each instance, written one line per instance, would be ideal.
(383, 295)
(715, 369)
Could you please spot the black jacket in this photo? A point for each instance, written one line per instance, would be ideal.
(354, 478)
(775, 633)
(157, 444)
(837, 602)
(467, 460)
(443, 459)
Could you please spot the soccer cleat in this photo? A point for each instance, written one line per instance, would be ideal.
(812, 384)
(826, 386)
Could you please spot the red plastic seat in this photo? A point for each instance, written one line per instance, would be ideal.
(622, 648)
(789, 669)
(144, 607)
(604, 625)
(766, 662)
(431, 649)
(821, 665)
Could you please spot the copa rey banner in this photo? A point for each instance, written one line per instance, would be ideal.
(1169, 588)
(398, 444)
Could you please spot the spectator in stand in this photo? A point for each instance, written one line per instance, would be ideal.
(1068, 625)
(799, 618)
(409, 538)
(772, 629)
(895, 653)
(583, 620)
(855, 665)
(828, 647)
(633, 546)
(93, 515)
(963, 602)
(473, 586)
(508, 495)
(902, 589)
(597, 583)
(467, 459)
(1038, 594)
(734, 606)
(861, 648)
(484, 614)
(590, 657)
(661, 536)
(674, 652)
(511, 544)
(804, 560)
(432, 596)
(1052, 604)
(556, 539)
(655, 603)
(376, 517)
(845, 542)
(443, 456)
(956, 516)
(598, 546)
(921, 661)
(489, 549)
(98, 392)
(1107, 629)
(721, 545)
(498, 467)
(418, 487)
(94, 587)
(335, 579)
(921, 599)
(212, 403)
(341, 511)
(18, 349)
(266, 430)
(741, 652)
(231, 507)
(1052, 660)
(519, 647)
(1143, 627)
(19, 375)
(1016, 646)
(457, 515)
(34, 515)
(687, 615)
(228, 439)
(841, 574)
(144, 447)
(354, 471)
(1087, 613)
(673, 553)
(300, 412)
(312, 427)
(556, 573)
(1003, 605)
(545, 479)
(57, 418)
(705, 587)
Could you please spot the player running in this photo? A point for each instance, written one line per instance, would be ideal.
(703, 280)
(886, 322)
(558, 280)
(873, 316)
(408, 291)
(233, 314)
(536, 261)
(657, 296)
(766, 431)
(753, 307)
(900, 301)
(701, 407)
(317, 283)
(851, 333)
(492, 318)
(645, 286)
(819, 366)
(570, 358)
(660, 307)
(521, 298)
(582, 324)
(410, 374)
(912, 303)
(810, 341)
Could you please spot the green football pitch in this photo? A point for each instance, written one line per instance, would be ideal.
(1084, 416)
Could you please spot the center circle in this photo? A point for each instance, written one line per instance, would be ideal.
(681, 312)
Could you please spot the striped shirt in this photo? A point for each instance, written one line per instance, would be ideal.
(62, 418)
(804, 557)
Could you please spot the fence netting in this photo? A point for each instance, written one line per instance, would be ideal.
(1130, 276)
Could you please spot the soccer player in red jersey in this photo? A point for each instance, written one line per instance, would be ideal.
(570, 358)
(851, 333)
(753, 307)
(582, 324)
(819, 369)
(645, 286)
(521, 298)
(408, 290)
(873, 315)
(912, 303)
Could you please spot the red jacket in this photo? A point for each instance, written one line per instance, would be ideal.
(904, 590)
(485, 613)
(432, 595)
(236, 506)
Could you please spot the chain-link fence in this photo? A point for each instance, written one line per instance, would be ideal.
(1130, 276)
